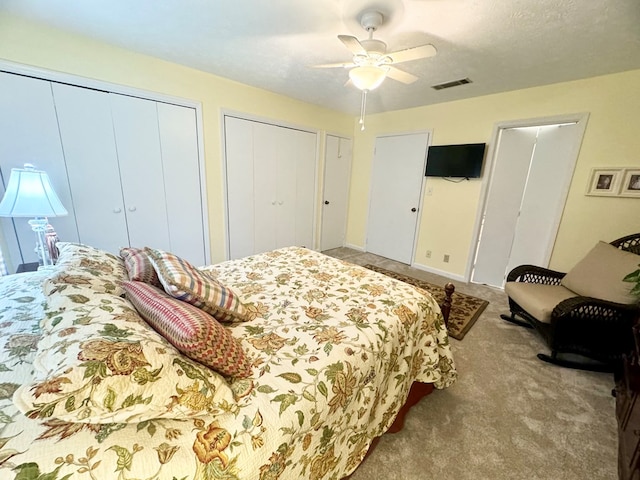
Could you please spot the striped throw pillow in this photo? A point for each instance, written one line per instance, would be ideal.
(193, 332)
(139, 267)
(183, 281)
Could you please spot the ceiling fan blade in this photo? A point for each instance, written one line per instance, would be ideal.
(353, 44)
(401, 75)
(336, 65)
(414, 53)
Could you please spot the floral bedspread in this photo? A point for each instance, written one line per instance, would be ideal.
(335, 349)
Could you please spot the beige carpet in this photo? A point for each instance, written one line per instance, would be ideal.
(465, 309)
(508, 417)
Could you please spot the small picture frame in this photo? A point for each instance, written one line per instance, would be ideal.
(630, 183)
(604, 181)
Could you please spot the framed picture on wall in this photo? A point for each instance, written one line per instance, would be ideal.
(604, 181)
(630, 183)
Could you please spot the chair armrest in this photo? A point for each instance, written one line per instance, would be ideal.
(594, 308)
(534, 274)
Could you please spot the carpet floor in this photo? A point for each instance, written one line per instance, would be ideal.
(465, 309)
(509, 416)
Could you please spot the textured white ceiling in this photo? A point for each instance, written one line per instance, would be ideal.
(500, 45)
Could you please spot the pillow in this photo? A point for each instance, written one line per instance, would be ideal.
(183, 281)
(70, 279)
(93, 260)
(599, 274)
(117, 370)
(139, 267)
(192, 331)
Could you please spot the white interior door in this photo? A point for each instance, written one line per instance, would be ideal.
(544, 196)
(508, 179)
(305, 188)
(396, 187)
(529, 184)
(337, 174)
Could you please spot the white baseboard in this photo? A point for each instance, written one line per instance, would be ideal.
(452, 276)
(355, 247)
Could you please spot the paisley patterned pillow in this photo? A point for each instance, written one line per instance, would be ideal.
(183, 281)
(191, 330)
(116, 369)
(93, 260)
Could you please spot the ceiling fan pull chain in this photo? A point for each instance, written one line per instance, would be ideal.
(363, 107)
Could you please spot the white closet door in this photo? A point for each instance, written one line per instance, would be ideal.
(544, 195)
(182, 182)
(337, 173)
(29, 134)
(240, 186)
(266, 203)
(270, 174)
(286, 186)
(509, 176)
(135, 123)
(86, 131)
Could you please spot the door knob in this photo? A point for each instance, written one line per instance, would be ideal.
(414, 209)
(326, 202)
(132, 209)
(117, 210)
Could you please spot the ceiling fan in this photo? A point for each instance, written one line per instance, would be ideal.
(371, 63)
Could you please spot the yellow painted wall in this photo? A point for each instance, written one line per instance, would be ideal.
(612, 139)
(447, 217)
(43, 47)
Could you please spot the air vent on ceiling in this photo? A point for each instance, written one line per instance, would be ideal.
(455, 83)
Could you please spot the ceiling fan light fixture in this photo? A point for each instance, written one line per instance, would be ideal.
(367, 77)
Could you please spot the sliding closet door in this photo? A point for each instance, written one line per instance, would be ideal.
(135, 122)
(86, 130)
(29, 134)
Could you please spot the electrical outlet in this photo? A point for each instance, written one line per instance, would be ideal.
(428, 254)
(446, 258)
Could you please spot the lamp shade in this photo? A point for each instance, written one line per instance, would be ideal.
(30, 194)
(367, 77)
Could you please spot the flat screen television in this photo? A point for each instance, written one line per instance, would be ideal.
(455, 160)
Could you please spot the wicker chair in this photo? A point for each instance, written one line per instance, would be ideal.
(597, 331)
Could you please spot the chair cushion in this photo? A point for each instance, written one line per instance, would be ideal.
(537, 299)
(599, 274)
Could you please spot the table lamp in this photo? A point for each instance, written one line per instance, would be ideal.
(30, 194)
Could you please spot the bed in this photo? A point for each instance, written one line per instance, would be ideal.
(318, 363)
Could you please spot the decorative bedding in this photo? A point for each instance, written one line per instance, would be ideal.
(89, 390)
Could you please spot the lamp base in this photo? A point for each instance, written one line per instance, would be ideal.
(39, 226)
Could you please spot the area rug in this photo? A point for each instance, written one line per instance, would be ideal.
(465, 309)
